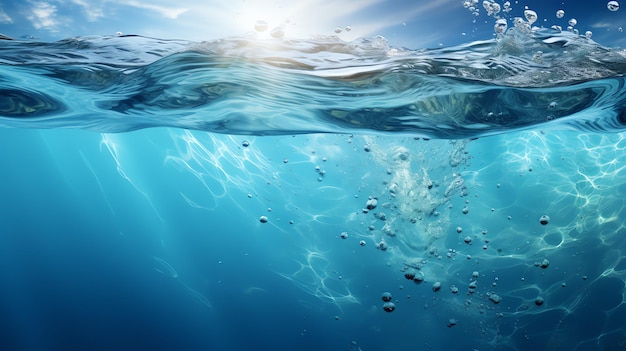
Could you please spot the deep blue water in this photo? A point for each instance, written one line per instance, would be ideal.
(151, 239)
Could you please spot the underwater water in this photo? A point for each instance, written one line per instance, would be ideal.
(313, 194)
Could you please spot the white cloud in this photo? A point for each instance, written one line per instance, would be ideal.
(93, 12)
(167, 12)
(43, 15)
(4, 18)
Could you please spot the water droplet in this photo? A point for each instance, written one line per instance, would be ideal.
(278, 32)
(612, 5)
(260, 26)
(500, 26)
(531, 16)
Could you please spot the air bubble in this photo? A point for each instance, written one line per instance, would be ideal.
(545, 219)
(588, 34)
(560, 14)
(338, 30)
(344, 235)
(263, 219)
(389, 307)
(612, 5)
(572, 22)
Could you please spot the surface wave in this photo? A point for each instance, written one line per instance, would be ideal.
(322, 85)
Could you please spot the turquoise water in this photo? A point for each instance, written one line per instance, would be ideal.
(152, 238)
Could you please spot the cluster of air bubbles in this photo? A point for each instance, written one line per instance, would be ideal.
(491, 7)
(371, 204)
(276, 32)
(388, 306)
(472, 6)
(382, 245)
(320, 172)
(339, 29)
(612, 5)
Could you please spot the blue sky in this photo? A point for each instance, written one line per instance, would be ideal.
(413, 24)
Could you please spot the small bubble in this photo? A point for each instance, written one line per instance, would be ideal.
(572, 22)
(553, 105)
(338, 30)
(348, 28)
(367, 148)
(245, 143)
(344, 235)
(539, 301)
(620, 29)
(436, 286)
(588, 34)
(544, 264)
(560, 13)
(386, 297)
(119, 33)
(612, 5)
(459, 229)
(545, 219)
(362, 243)
(285, 160)
(263, 219)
